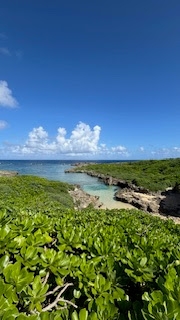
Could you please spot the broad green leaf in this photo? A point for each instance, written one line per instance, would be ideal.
(143, 261)
(74, 315)
(11, 314)
(83, 314)
(11, 272)
(4, 305)
(3, 262)
(93, 316)
(10, 293)
(19, 240)
(17, 276)
(157, 296)
(76, 293)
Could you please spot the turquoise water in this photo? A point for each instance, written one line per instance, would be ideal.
(55, 170)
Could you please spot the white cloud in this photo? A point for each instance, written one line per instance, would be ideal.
(176, 149)
(83, 140)
(3, 124)
(121, 150)
(5, 51)
(37, 135)
(82, 143)
(171, 152)
(6, 97)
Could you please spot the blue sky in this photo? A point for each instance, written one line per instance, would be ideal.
(89, 79)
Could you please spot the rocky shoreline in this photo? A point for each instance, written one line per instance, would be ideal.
(164, 203)
(82, 199)
(5, 173)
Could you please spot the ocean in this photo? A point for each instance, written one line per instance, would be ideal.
(55, 170)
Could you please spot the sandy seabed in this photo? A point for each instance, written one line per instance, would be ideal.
(106, 197)
(116, 205)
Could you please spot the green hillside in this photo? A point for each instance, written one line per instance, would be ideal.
(151, 174)
(30, 192)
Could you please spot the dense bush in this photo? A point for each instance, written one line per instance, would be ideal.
(57, 263)
(33, 192)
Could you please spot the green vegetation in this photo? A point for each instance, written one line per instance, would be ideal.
(151, 174)
(61, 264)
(29, 192)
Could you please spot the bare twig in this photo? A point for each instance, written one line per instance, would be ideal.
(53, 291)
(58, 298)
(54, 242)
(46, 278)
(65, 287)
(68, 302)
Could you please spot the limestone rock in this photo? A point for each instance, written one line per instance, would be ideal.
(4, 173)
(82, 199)
(146, 202)
(165, 203)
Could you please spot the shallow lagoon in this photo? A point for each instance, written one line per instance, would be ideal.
(55, 170)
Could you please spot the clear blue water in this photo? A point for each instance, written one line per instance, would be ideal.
(50, 169)
(55, 170)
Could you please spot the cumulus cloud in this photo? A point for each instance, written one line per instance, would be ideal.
(5, 51)
(3, 124)
(83, 140)
(6, 97)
